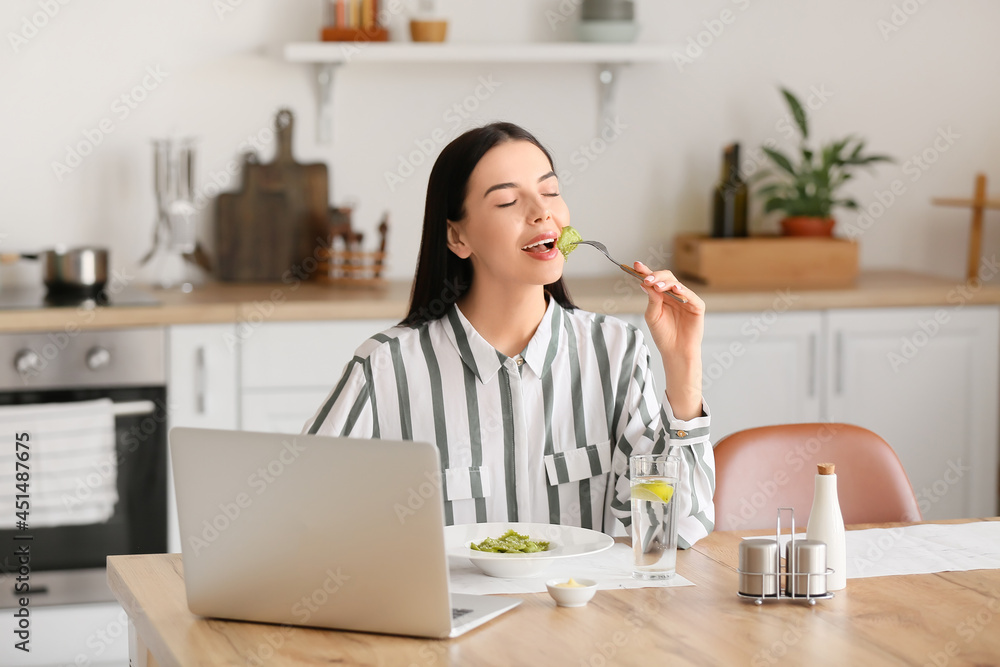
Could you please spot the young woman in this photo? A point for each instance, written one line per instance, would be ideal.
(534, 405)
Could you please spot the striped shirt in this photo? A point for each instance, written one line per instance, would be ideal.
(543, 437)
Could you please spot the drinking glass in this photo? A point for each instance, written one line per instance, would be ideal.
(654, 514)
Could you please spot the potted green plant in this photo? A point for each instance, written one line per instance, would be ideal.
(807, 190)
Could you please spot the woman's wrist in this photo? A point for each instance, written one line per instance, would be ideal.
(684, 389)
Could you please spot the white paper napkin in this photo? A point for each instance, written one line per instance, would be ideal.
(611, 568)
(923, 549)
(951, 547)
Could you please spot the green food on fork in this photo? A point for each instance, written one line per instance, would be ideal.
(569, 239)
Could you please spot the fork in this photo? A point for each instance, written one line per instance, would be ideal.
(624, 267)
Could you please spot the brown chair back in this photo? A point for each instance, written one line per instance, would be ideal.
(761, 469)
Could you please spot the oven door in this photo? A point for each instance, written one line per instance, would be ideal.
(68, 562)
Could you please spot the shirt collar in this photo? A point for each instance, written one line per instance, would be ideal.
(484, 360)
(541, 349)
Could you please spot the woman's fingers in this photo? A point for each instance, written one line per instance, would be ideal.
(665, 281)
(660, 281)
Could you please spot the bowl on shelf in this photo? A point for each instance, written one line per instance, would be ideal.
(428, 31)
(608, 31)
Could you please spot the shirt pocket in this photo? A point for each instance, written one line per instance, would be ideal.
(573, 465)
(465, 483)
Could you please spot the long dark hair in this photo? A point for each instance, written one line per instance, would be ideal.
(442, 276)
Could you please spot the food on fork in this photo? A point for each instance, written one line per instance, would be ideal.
(567, 241)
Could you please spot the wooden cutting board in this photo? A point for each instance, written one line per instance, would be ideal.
(270, 228)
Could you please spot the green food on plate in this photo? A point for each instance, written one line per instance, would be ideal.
(568, 238)
(510, 542)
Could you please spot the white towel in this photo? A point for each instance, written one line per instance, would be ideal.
(72, 463)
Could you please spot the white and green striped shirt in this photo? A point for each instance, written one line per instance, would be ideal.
(543, 437)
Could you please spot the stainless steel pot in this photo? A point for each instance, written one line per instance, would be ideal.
(69, 269)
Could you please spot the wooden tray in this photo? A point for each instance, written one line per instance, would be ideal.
(767, 261)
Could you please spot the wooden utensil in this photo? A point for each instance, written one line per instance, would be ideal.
(245, 225)
(978, 204)
(273, 225)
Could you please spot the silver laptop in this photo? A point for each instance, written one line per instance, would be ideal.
(317, 531)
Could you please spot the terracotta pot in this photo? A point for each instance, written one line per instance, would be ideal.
(807, 226)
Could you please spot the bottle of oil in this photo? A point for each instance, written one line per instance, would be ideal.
(826, 524)
(729, 208)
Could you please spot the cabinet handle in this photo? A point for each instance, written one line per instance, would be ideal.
(199, 380)
(839, 369)
(812, 366)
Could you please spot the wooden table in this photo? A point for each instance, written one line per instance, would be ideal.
(951, 618)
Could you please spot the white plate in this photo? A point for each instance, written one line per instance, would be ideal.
(564, 542)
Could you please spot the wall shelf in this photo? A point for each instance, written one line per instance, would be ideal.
(408, 52)
(607, 58)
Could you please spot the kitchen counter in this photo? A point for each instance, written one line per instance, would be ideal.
(614, 293)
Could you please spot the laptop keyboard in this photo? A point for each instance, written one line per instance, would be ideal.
(459, 613)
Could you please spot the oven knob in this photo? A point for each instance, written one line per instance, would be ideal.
(27, 360)
(98, 358)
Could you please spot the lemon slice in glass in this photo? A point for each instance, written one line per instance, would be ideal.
(655, 492)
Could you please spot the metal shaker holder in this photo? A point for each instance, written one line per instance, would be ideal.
(764, 581)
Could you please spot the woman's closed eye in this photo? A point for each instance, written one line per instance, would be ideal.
(511, 203)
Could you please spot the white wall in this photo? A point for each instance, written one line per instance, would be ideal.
(225, 80)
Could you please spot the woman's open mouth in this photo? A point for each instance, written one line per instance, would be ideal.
(540, 246)
(544, 249)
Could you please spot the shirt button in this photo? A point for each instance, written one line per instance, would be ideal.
(682, 434)
(520, 361)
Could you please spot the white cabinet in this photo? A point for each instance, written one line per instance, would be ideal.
(86, 634)
(281, 410)
(288, 368)
(925, 379)
(758, 368)
(202, 390)
(202, 387)
(761, 369)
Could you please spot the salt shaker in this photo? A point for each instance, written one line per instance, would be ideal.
(759, 567)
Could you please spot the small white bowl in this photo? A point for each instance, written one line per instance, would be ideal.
(571, 597)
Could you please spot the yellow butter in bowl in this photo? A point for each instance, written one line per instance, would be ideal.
(572, 593)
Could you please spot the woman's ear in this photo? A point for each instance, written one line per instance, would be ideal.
(456, 242)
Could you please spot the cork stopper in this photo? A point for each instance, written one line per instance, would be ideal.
(825, 468)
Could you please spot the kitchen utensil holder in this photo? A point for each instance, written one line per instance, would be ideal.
(363, 28)
(789, 572)
(348, 265)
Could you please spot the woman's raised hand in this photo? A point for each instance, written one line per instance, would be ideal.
(677, 328)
